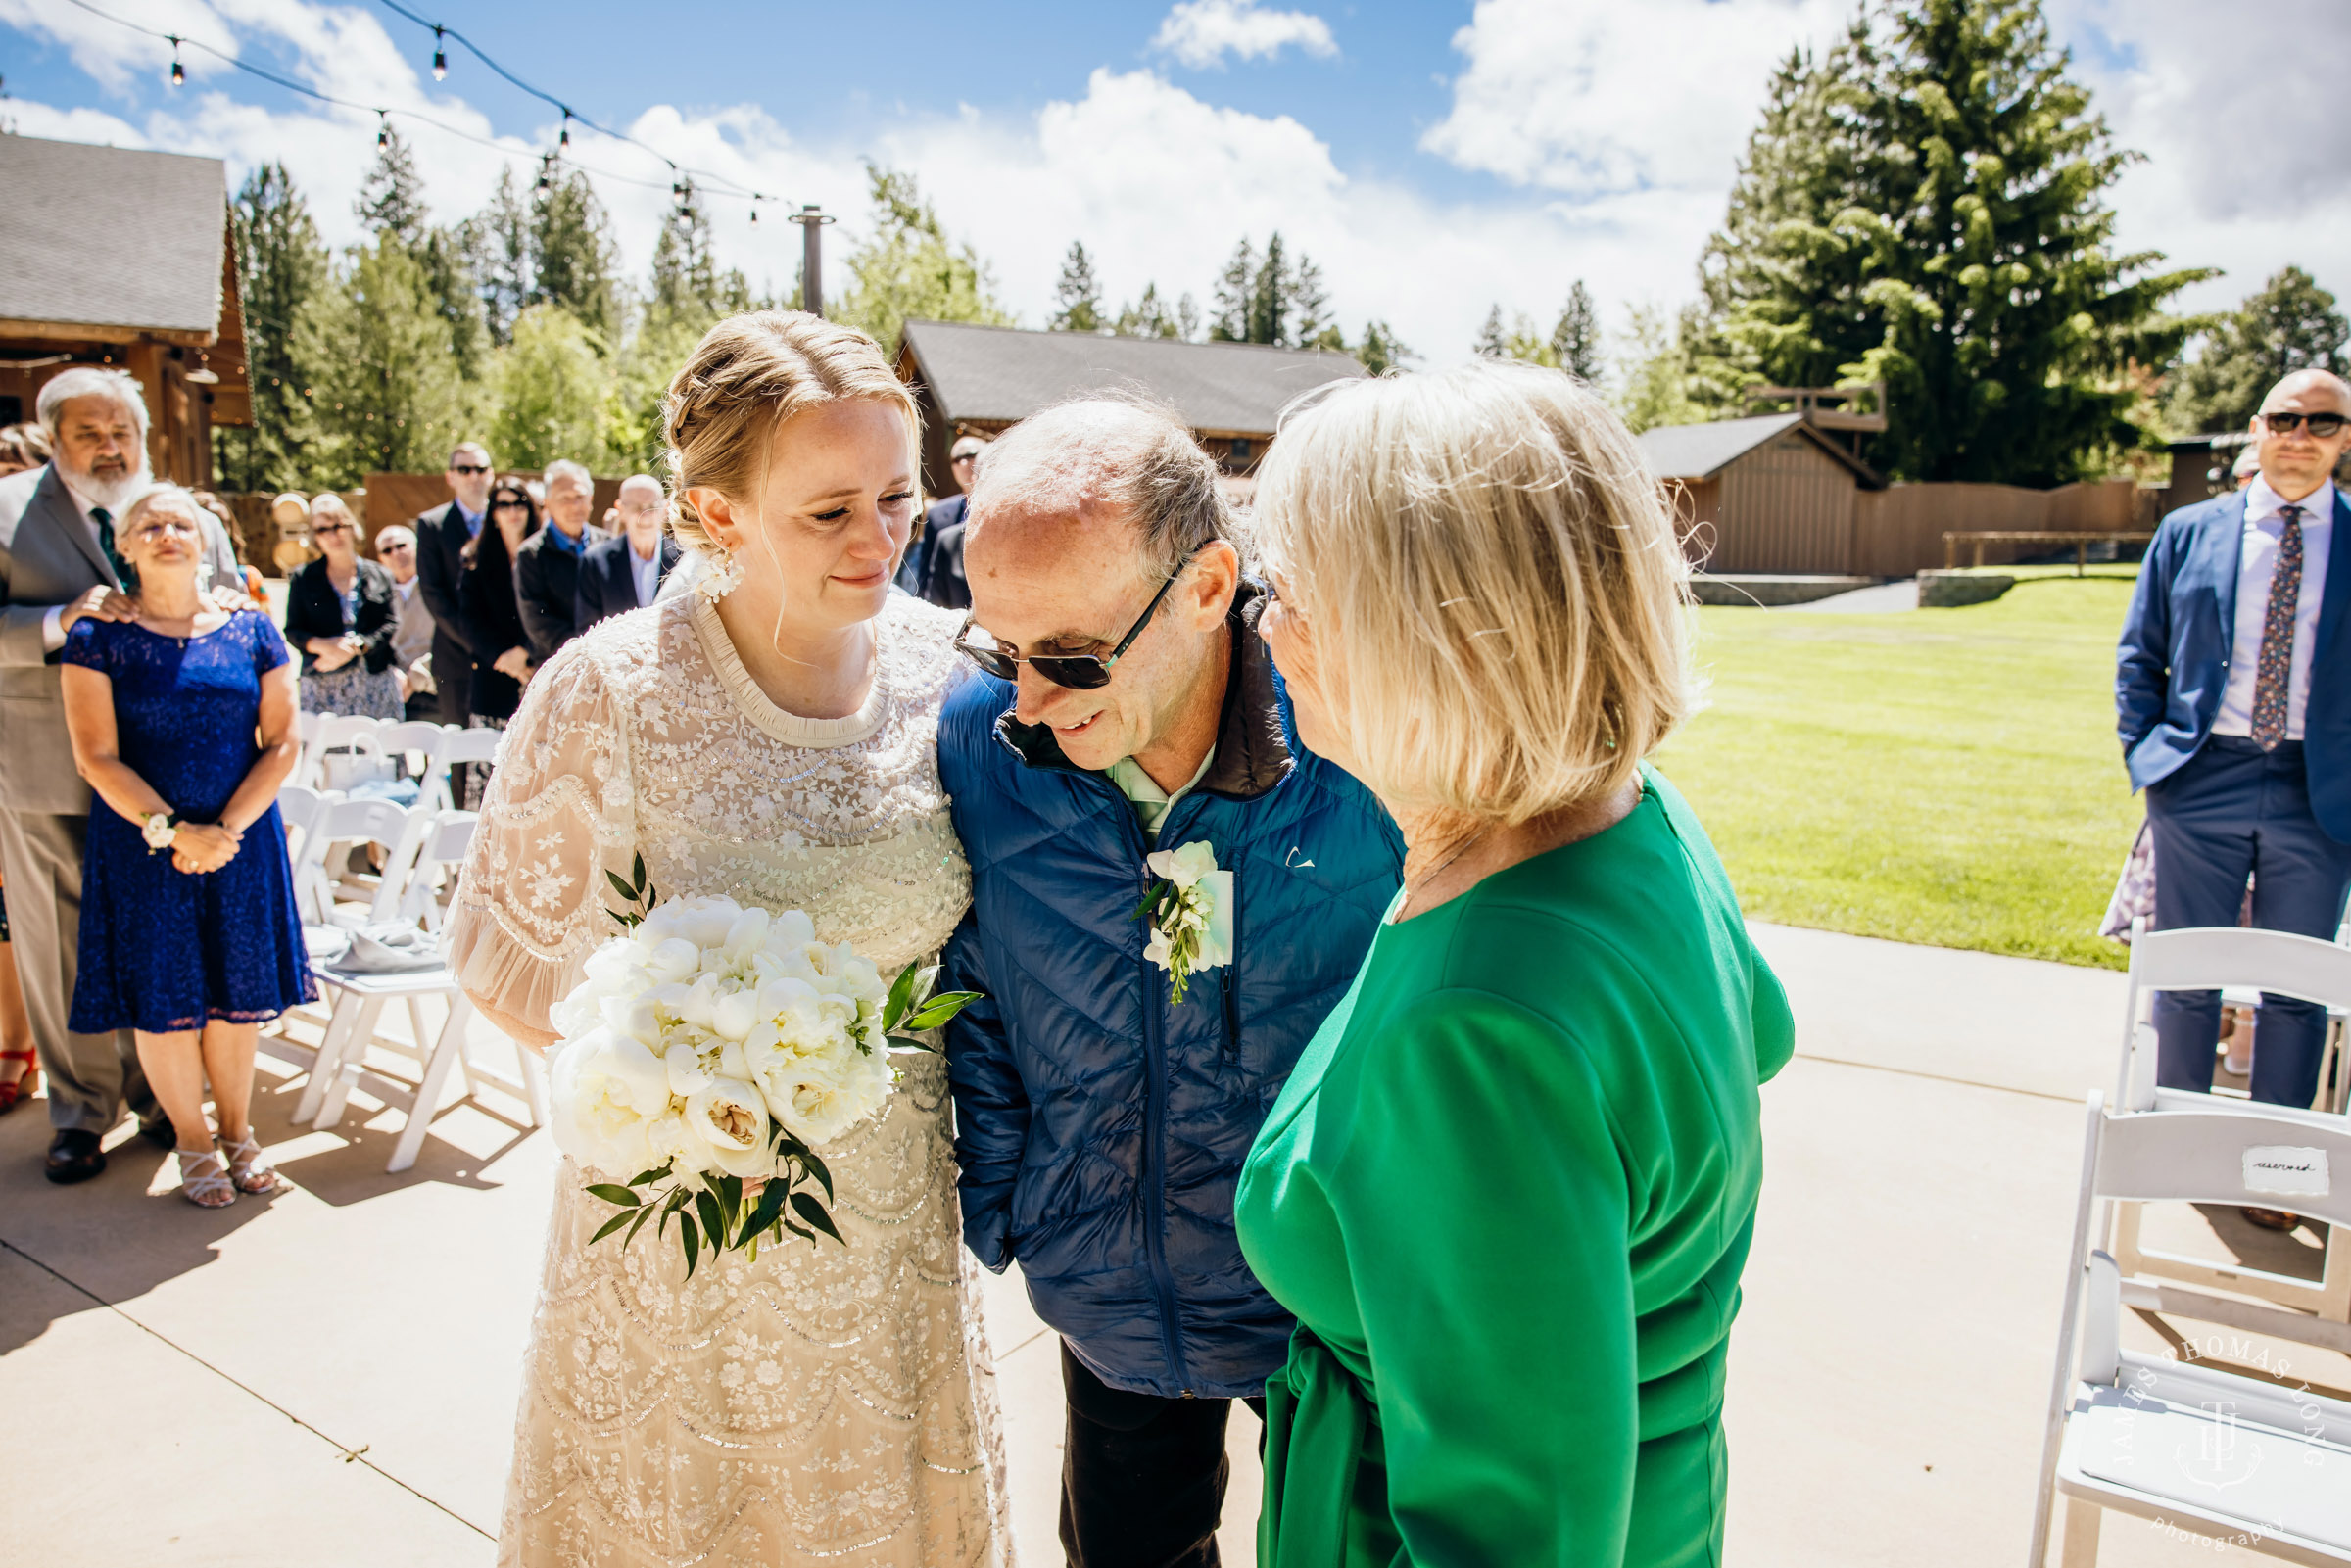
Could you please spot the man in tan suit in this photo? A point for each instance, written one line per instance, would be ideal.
(57, 566)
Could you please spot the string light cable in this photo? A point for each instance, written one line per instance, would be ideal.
(679, 186)
(442, 31)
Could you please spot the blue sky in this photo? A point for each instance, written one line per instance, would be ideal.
(1435, 158)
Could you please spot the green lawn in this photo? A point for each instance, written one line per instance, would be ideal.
(1946, 777)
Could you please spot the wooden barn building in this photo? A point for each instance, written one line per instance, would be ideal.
(977, 381)
(1767, 494)
(111, 256)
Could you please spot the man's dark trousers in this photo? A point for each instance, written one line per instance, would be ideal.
(1142, 1478)
(2229, 811)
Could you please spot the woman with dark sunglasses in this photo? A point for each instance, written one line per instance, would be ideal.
(502, 647)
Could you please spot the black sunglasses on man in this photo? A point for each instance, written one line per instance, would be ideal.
(1079, 672)
(2323, 426)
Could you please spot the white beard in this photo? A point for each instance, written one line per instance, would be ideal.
(110, 494)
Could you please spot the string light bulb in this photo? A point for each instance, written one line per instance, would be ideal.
(440, 57)
(564, 139)
(383, 130)
(179, 73)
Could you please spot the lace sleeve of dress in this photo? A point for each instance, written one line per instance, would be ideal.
(559, 814)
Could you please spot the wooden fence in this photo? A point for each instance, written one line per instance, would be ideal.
(1898, 532)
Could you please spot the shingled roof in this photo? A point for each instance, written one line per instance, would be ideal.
(989, 375)
(1700, 452)
(105, 236)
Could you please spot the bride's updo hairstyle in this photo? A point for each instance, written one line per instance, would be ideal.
(748, 375)
(1490, 582)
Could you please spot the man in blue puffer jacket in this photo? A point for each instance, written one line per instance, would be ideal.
(1101, 1125)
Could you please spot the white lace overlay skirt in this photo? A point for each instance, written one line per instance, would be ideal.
(832, 1405)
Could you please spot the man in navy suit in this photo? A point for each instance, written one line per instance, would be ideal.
(620, 574)
(442, 534)
(934, 566)
(2233, 692)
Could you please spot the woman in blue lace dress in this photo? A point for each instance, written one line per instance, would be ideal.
(183, 722)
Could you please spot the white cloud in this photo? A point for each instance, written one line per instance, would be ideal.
(2243, 170)
(1201, 33)
(1591, 96)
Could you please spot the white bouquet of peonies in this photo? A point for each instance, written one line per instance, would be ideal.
(709, 1049)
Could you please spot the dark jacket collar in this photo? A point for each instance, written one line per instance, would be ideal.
(1251, 757)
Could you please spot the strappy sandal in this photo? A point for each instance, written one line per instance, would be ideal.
(26, 1083)
(206, 1188)
(247, 1169)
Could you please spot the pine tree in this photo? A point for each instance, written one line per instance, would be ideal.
(1525, 343)
(1187, 318)
(684, 274)
(1382, 349)
(1653, 373)
(1079, 294)
(907, 266)
(1490, 344)
(2289, 324)
(1576, 340)
(391, 198)
(1237, 289)
(1271, 296)
(497, 243)
(574, 263)
(448, 277)
(281, 266)
(384, 392)
(1147, 317)
(1926, 206)
(1310, 323)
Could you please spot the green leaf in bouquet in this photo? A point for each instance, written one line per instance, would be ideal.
(643, 1214)
(764, 1213)
(693, 1241)
(816, 1168)
(675, 1202)
(639, 872)
(911, 1044)
(729, 1199)
(808, 1208)
(613, 1225)
(901, 996)
(941, 1008)
(621, 888)
(646, 1178)
(613, 1192)
(714, 1222)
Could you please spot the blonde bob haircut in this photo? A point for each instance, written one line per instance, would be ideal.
(748, 375)
(1491, 582)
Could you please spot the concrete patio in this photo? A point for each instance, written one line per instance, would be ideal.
(329, 1377)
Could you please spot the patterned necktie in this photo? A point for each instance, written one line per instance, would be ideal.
(106, 543)
(2276, 667)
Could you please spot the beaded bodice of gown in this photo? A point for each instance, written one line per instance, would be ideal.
(833, 1404)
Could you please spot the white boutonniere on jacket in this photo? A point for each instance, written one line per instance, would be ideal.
(1189, 910)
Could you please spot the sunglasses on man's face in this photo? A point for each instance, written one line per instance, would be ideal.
(2324, 426)
(398, 544)
(1079, 672)
(469, 470)
(330, 530)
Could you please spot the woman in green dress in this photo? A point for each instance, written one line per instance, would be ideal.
(1511, 1185)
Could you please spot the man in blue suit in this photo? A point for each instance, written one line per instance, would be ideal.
(1101, 1119)
(2234, 694)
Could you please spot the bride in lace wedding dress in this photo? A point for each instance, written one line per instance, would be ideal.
(833, 1404)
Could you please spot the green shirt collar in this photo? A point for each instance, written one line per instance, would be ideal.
(1151, 803)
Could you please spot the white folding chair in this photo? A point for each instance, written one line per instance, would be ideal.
(434, 869)
(306, 731)
(412, 740)
(359, 1004)
(337, 824)
(2230, 958)
(2259, 1463)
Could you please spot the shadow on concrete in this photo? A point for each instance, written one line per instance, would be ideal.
(118, 1236)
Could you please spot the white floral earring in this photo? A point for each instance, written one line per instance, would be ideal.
(721, 577)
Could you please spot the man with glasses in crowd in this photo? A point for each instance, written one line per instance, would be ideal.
(1101, 1123)
(2234, 694)
(412, 622)
(620, 574)
(933, 565)
(442, 534)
